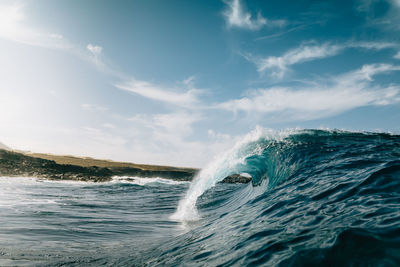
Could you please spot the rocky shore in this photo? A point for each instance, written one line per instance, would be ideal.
(16, 164)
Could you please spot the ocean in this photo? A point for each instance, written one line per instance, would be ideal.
(317, 197)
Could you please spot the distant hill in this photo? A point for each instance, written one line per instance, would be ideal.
(3, 146)
(88, 162)
(56, 167)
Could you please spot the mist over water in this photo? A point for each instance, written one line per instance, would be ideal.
(316, 198)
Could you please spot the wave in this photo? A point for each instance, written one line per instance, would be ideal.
(316, 197)
(260, 154)
(269, 157)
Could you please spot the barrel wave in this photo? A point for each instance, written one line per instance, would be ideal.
(316, 197)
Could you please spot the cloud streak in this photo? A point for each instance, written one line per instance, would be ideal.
(236, 16)
(92, 107)
(94, 49)
(188, 98)
(341, 93)
(278, 66)
(179, 124)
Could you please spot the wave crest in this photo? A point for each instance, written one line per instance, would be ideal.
(262, 154)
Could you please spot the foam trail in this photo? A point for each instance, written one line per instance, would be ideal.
(228, 163)
(143, 181)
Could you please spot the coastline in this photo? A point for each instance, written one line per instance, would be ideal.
(57, 167)
(17, 164)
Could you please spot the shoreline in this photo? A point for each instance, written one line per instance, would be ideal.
(60, 168)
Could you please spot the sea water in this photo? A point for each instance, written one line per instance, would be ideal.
(316, 198)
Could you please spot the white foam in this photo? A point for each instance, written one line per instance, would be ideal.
(143, 181)
(245, 174)
(16, 191)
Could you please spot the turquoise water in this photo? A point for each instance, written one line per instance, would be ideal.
(317, 198)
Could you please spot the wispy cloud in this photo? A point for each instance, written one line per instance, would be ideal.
(92, 107)
(95, 57)
(236, 16)
(278, 66)
(186, 97)
(383, 19)
(177, 123)
(339, 94)
(108, 125)
(94, 49)
(370, 45)
(397, 56)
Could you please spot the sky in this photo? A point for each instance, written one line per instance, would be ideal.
(178, 82)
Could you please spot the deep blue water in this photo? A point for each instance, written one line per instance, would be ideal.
(317, 198)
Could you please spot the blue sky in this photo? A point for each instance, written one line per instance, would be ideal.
(177, 82)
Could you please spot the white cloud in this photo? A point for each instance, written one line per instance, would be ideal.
(279, 66)
(387, 20)
(95, 57)
(236, 16)
(397, 56)
(371, 45)
(173, 122)
(94, 49)
(218, 136)
(341, 93)
(177, 124)
(366, 73)
(109, 125)
(56, 36)
(187, 98)
(92, 107)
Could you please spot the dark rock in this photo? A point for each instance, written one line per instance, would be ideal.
(237, 179)
(17, 164)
